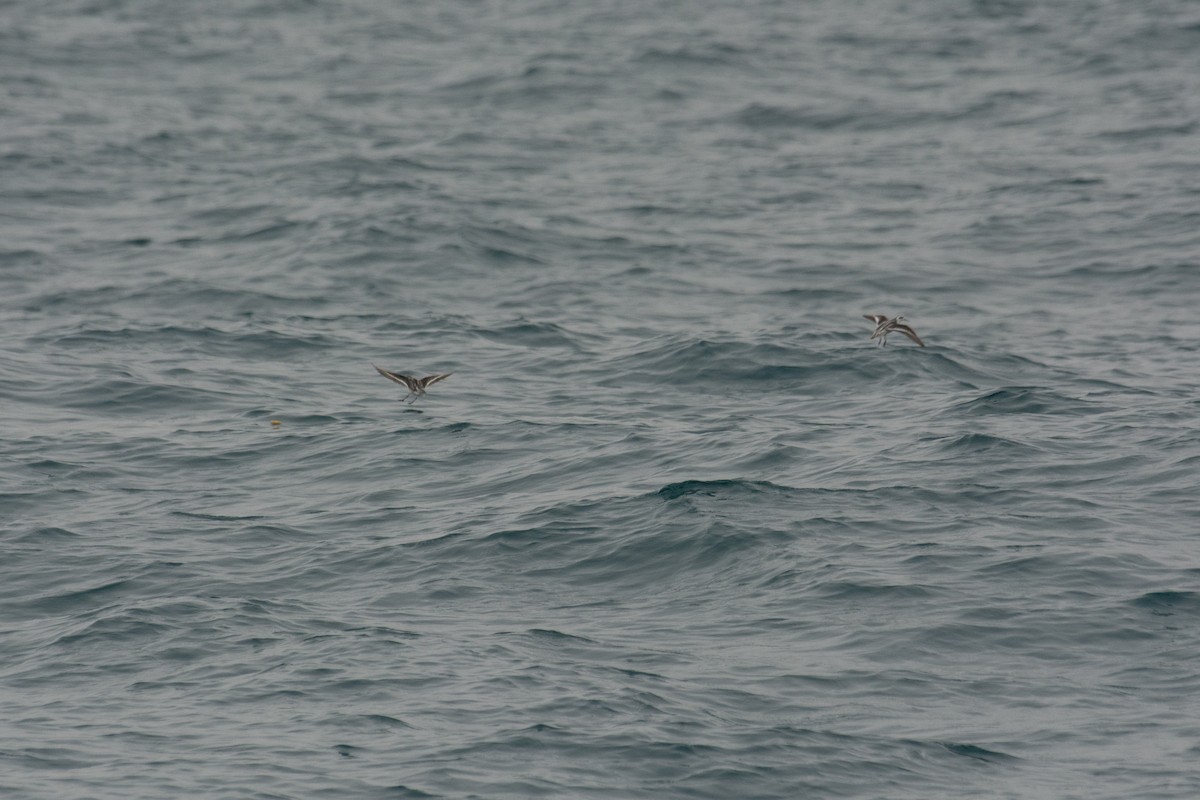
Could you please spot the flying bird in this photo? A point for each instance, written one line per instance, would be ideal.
(884, 326)
(416, 386)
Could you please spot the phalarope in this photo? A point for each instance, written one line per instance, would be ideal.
(416, 386)
(884, 326)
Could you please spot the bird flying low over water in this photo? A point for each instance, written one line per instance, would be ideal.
(416, 386)
(884, 326)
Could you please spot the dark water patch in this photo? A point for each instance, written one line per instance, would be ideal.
(870, 115)
(536, 87)
(977, 753)
(246, 340)
(276, 230)
(997, 446)
(357, 176)
(491, 251)
(526, 333)
(803, 198)
(116, 397)
(65, 601)
(948, 359)
(731, 488)
(217, 517)
(377, 633)
(616, 542)
(717, 365)
(659, 560)
(864, 592)
(17, 504)
(1079, 188)
(403, 792)
(119, 630)
(252, 300)
(288, 423)
(349, 750)
(1169, 603)
(24, 264)
(1027, 400)
(760, 115)
(546, 536)
(44, 536)
(378, 722)
(232, 214)
(49, 758)
(965, 640)
(1077, 576)
(1153, 132)
(716, 54)
(557, 637)
(92, 197)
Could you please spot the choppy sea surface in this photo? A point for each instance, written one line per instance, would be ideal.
(675, 527)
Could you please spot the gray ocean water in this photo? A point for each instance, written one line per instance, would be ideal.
(675, 527)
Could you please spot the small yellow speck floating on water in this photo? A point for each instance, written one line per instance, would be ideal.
(276, 422)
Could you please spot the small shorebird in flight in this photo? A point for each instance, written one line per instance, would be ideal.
(416, 386)
(884, 326)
